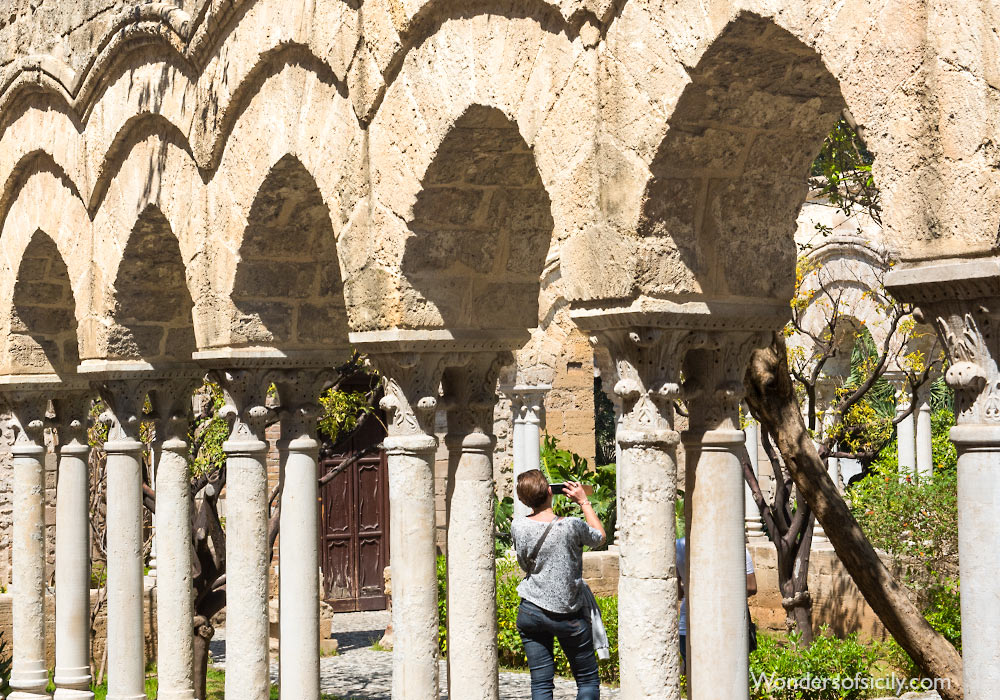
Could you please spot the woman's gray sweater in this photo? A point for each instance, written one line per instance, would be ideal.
(555, 583)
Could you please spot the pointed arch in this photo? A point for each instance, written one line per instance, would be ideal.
(288, 291)
(480, 230)
(151, 316)
(43, 336)
(730, 175)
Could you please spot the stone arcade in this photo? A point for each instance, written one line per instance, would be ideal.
(252, 187)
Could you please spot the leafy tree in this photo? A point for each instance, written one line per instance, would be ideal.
(782, 383)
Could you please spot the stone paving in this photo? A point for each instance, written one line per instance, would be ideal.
(359, 673)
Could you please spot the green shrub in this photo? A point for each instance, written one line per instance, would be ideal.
(561, 465)
(827, 661)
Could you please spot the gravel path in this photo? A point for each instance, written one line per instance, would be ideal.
(359, 673)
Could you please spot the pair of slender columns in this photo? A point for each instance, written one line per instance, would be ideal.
(646, 364)
(412, 382)
(528, 407)
(29, 676)
(913, 434)
(247, 535)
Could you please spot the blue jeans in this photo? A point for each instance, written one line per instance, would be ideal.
(538, 629)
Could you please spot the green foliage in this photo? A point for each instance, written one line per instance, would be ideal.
(842, 172)
(604, 429)
(510, 647)
(560, 465)
(341, 412)
(918, 522)
(503, 516)
(208, 431)
(826, 658)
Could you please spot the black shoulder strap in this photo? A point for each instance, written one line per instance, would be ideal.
(530, 569)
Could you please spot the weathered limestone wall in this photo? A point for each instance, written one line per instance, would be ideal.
(837, 602)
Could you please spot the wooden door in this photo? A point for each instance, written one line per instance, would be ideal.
(355, 524)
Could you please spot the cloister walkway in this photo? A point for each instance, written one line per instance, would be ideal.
(358, 672)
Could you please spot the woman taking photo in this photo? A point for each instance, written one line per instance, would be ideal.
(553, 595)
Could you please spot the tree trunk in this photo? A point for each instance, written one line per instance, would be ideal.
(203, 633)
(772, 399)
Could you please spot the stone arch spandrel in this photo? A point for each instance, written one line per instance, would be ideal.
(158, 174)
(526, 68)
(294, 112)
(151, 308)
(287, 292)
(480, 231)
(727, 179)
(46, 207)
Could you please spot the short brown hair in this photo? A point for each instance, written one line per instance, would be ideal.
(532, 488)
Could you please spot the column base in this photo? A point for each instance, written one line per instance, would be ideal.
(27, 695)
(72, 694)
(141, 696)
(175, 695)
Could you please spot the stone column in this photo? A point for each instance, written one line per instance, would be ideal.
(925, 446)
(124, 400)
(716, 579)
(470, 395)
(643, 371)
(29, 673)
(529, 418)
(751, 516)
(905, 433)
(962, 299)
(247, 545)
(412, 381)
(171, 401)
(299, 590)
(72, 673)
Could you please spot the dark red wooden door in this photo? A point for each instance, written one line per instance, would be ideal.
(355, 524)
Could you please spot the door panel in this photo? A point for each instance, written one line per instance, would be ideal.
(355, 527)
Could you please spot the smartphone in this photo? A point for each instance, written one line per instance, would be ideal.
(560, 489)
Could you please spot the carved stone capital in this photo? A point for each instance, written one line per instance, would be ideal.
(246, 406)
(29, 409)
(171, 403)
(412, 382)
(642, 367)
(714, 373)
(125, 406)
(645, 347)
(470, 393)
(298, 395)
(527, 401)
(72, 417)
(962, 300)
